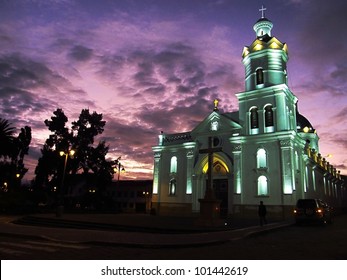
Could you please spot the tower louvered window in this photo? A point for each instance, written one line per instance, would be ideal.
(254, 118)
(260, 76)
(269, 117)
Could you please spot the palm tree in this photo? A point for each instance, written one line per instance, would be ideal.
(6, 138)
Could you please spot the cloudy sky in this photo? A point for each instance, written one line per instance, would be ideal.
(156, 65)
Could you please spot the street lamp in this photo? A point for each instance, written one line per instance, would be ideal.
(5, 187)
(146, 194)
(119, 167)
(62, 153)
(61, 203)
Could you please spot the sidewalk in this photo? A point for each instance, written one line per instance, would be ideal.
(130, 230)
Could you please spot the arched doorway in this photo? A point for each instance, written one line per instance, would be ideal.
(222, 181)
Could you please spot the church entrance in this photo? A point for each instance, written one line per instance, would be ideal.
(222, 182)
(220, 187)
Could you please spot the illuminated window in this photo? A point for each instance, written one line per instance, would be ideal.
(173, 165)
(260, 76)
(254, 118)
(172, 187)
(262, 186)
(261, 158)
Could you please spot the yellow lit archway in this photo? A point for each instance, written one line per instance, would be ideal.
(219, 165)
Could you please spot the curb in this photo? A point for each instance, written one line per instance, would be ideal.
(62, 223)
(157, 246)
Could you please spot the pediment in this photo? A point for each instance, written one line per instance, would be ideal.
(214, 123)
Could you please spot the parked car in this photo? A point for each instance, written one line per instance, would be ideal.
(313, 211)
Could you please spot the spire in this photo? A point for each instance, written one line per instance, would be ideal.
(263, 26)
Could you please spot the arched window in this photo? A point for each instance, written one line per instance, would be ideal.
(254, 118)
(262, 185)
(172, 187)
(261, 158)
(173, 165)
(260, 76)
(269, 116)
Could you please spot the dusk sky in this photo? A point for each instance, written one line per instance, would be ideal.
(156, 65)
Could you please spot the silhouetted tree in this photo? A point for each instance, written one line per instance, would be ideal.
(49, 163)
(21, 148)
(12, 152)
(89, 158)
(6, 138)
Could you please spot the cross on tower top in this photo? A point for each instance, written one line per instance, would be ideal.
(262, 10)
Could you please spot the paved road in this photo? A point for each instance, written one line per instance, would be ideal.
(19, 248)
(305, 242)
(294, 242)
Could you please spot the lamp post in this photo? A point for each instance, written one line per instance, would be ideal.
(60, 207)
(146, 194)
(119, 168)
(18, 180)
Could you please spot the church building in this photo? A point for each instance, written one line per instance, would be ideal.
(267, 151)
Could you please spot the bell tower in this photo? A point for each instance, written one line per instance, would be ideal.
(265, 60)
(267, 105)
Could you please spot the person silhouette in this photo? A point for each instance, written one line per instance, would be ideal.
(262, 213)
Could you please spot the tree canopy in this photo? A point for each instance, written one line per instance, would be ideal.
(6, 137)
(89, 158)
(12, 152)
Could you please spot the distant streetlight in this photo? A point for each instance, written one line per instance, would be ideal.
(61, 202)
(18, 180)
(5, 187)
(119, 168)
(146, 195)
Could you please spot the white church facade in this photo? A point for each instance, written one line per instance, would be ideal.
(267, 151)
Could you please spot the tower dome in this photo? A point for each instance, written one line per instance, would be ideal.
(263, 28)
